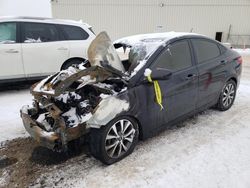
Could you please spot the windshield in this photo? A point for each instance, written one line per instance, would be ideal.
(137, 50)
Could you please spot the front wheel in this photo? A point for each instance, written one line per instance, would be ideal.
(114, 141)
(227, 96)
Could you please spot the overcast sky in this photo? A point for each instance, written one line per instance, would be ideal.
(39, 8)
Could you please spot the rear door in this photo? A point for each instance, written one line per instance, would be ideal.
(180, 91)
(44, 51)
(78, 40)
(10, 52)
(211, 70)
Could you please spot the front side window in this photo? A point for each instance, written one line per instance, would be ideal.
(7, 32)
(205, 50)
(74, 32)
(39, 32)
(175, 57)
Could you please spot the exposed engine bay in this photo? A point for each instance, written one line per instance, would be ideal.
(78, 102)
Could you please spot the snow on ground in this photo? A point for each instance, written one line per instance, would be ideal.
(10, 122)
(243, 52)
(209, 150)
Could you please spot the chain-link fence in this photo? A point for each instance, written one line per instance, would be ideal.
(239, 41)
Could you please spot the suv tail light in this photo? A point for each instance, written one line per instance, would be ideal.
(239, 60)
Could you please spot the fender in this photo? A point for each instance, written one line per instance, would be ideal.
(107, 110)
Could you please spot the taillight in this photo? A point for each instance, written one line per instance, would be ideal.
(239, 60)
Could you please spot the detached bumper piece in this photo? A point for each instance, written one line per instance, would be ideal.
(56, 140)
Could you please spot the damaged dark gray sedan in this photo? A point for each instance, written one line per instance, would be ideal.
(130, 90)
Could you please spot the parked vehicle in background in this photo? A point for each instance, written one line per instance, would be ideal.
(36, 47)
(227, 44)
(166, 78)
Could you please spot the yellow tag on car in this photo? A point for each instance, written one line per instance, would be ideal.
(157, 89)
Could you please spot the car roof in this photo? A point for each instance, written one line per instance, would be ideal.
(145, 44)
(155, 38)
(42, 20)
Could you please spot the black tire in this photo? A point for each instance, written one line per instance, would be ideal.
(222, 105)
(69, 63)
(100, 140)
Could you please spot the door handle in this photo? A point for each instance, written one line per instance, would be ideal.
(190, 76)
(12, 51)
(62, 48)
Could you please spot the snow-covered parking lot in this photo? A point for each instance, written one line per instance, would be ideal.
(211, 149)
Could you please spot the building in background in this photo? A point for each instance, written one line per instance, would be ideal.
(226, 20)
(37, 8)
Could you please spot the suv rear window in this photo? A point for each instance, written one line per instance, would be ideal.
(7, 32)
(205, 50)
(39, 32)
(74, 32)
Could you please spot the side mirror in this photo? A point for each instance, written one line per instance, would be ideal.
(158, 74)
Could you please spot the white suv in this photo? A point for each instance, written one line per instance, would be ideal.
(35, 47)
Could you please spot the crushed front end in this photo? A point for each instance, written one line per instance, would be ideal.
(64, 102)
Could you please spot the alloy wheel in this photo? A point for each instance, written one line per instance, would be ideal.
(228, 95)
(119, 138)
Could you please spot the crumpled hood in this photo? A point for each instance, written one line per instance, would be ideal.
(101, 52)
(56, 84)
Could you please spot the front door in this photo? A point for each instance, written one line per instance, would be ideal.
(180, 91)
(10, 52)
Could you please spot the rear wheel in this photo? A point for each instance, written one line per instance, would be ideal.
(227, 96)
(114, 141)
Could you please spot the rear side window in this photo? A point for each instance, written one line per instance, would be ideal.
(223, 49)
(205, 50)
(74, 32)
(7, 32)
(90, 28)
(176, 57)
(39, 32)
